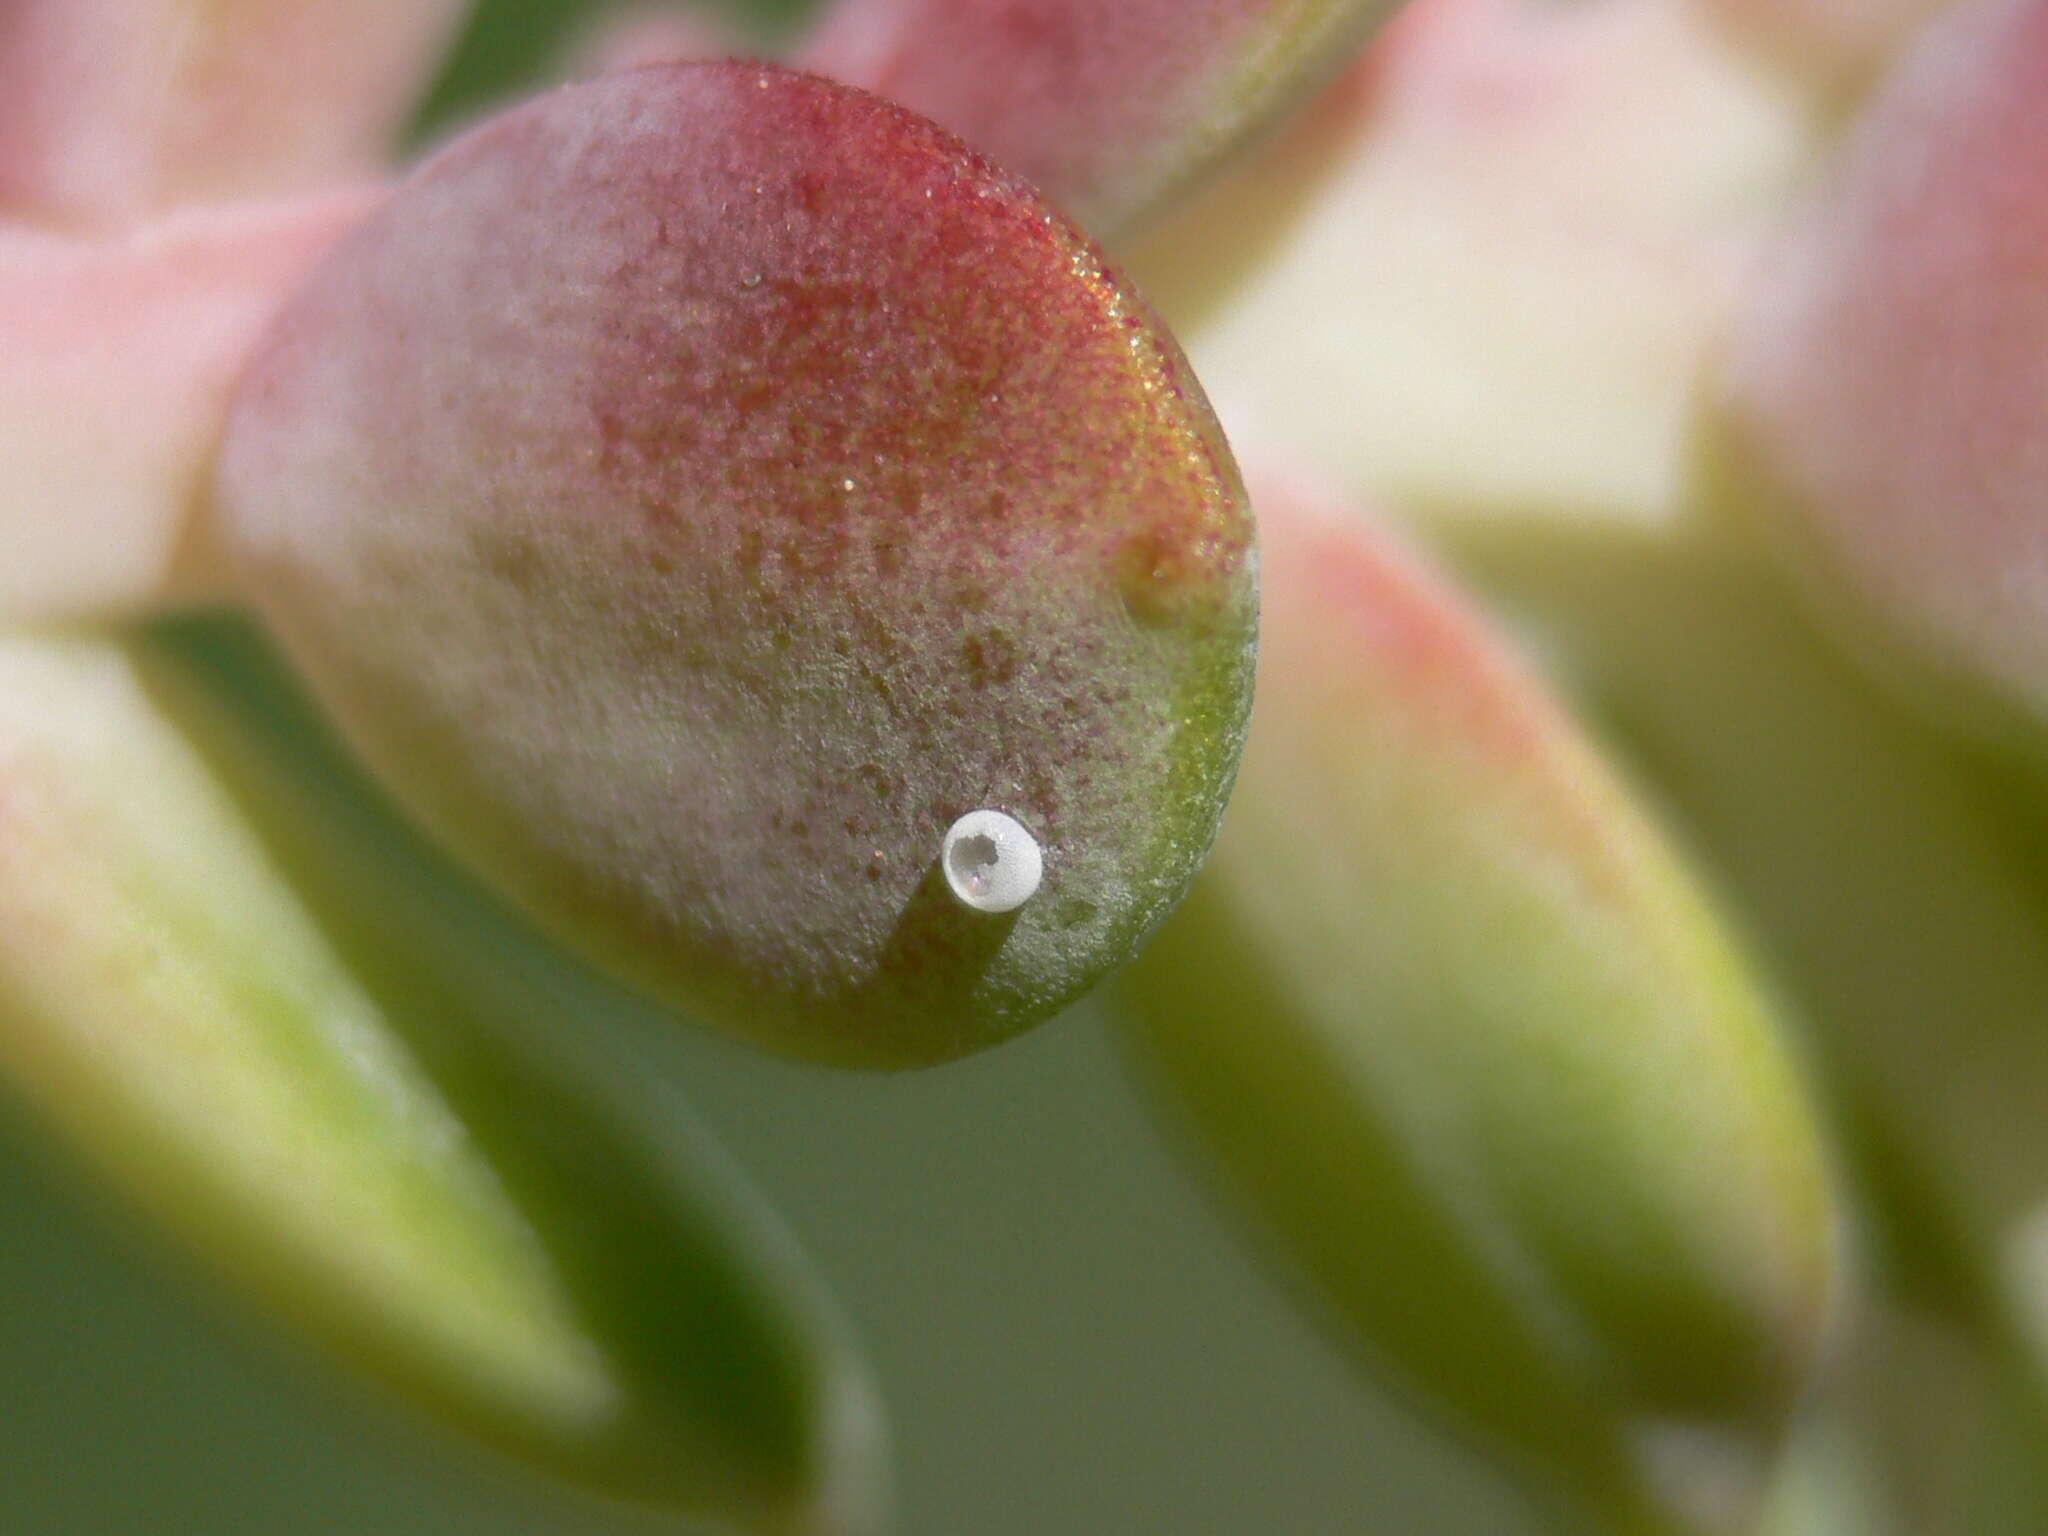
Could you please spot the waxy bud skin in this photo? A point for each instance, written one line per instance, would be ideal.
(698, 489)
(1452, 1026)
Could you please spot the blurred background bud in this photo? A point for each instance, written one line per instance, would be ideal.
(1880, 408)
(112, 111)
(1454, 1025)
(1479, 278)
(356, 1131)
(1833, 48)
(1110, 109)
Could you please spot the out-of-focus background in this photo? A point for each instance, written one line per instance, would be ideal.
(1070, 1342)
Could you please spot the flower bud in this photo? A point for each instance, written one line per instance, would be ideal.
(1881, 408)
(1453, 1025)
(1109, 108)
(696, 490)
(356, 1129)
(1885, 873)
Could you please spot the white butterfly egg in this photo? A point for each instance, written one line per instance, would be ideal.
(991, 861)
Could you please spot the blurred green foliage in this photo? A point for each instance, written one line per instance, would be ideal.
(511, 43)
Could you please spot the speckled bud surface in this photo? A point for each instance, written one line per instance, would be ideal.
(700, 487)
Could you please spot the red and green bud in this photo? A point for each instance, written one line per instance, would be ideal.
(696, 490)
